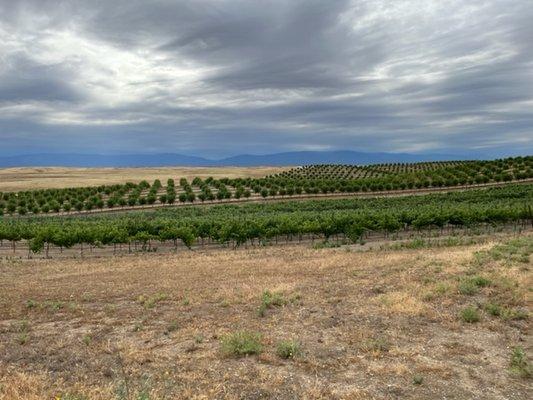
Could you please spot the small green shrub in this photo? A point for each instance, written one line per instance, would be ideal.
(87, 339)
(442, 288)
(241, 343)
(417, 380)
(288, 349)
(494, 309)
(510, 314)
(467, 288)
(470, 286)
(22, 339)
(269, 300)
(428, 296)
(480, 281)
(505, 313)
(519, 363)
(470, 315)
(22, 326)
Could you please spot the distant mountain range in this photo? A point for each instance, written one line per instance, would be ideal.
(162, 160)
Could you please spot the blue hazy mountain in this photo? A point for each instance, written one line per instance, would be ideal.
(170, 159)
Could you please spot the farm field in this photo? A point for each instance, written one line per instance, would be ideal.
(32, 178)
(345, 220)
(406, 296)
(292, 322)
(302, 182)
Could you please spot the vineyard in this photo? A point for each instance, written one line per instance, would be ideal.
(255, 224)
(307, 181)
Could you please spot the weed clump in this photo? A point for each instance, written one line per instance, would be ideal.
(150, 301)
(470, 315)
(376, 345)
(53, 305)
(31, 304)
(241, 344)
(269, 300)
(23, 328)
(70, 396)
(87, 339)
(326, 245)
(519, 363)
(494, 309)
(172, 326)
(505, 313)
(440, 289)
(288, 349)
(470, 286)
(22, 339)
(198, 338)
(514, 251)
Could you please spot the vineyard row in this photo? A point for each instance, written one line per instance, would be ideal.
(239, 225)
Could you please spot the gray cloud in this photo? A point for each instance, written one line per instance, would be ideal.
(224, 77)
(24, 80)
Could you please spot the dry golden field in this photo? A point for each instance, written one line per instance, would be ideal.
(379, 324)
(15, 179)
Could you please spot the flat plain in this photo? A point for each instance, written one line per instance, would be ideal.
(33, 178)
(329, 323)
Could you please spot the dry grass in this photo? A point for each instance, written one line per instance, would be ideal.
(363, 321)
(15, 179)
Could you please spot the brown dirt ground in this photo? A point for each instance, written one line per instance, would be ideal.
(15, 179)
(368, 323)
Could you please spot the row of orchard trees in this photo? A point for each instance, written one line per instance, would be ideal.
(127, 195)
(391, 182)
(82, 198)
(402, 176)
(238, 228)
(322, 179)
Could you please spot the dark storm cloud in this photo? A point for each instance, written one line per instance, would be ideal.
(223, 77)
(22, 79)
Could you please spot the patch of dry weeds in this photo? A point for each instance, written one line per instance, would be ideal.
(363, 325)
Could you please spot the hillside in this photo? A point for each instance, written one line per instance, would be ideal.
(170, 159)
(307, 182)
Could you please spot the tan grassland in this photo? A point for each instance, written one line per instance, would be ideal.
(15, 179)
(371, 325)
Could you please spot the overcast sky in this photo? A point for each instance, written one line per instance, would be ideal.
(217, 78)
